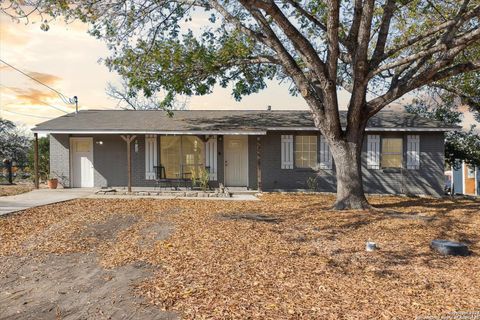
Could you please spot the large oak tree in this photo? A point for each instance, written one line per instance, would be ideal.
(379, 50)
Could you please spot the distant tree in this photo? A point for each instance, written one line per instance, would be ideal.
(14, 143)
(43, 157)
(459, 145)
(130, 98)
(378, 50)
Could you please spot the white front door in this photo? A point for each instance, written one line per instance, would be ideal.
(82, 162)
(236, 161)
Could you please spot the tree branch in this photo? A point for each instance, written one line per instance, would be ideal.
(353, 32)
(313, 19)
(388, 11)
(422, 79)
(333, 49)
(237, 23)
(301, 44)
(431, 31)
(455, 43)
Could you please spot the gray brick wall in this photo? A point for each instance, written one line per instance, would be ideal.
(427, 180)
(110, 163)
(60, 158)
(275, 178)
(252, 161)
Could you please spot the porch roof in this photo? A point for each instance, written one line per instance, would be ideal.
(256, 122)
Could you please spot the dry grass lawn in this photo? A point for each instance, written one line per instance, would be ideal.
(284, 257)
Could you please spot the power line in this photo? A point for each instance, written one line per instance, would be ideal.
(26, 115)
(38, 100)
(61, 95)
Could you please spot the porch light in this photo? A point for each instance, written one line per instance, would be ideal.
(100, 142)
(136, 146)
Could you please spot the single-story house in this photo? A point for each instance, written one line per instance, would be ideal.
(268, 150)
(466, 179)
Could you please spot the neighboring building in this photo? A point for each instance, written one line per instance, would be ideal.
(466, 180)
(278, 150)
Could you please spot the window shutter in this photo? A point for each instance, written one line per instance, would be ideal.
(150, 156)
(373, 151)
(211, 157)
(287, 151)
(325, 154)
(413, 152)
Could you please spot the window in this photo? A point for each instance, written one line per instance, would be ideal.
(181, 156)
(392, 151)
(306, 151)
(170, 155)
(470, 172)
(192, 155)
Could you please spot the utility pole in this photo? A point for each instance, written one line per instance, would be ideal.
(75, 99)
(35, 160)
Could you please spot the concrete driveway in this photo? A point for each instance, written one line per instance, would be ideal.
(40, 197)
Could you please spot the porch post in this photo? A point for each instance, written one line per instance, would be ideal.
(259, 168)
(128, 139)
(35, 160)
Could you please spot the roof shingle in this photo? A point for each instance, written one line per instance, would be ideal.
(155, 121)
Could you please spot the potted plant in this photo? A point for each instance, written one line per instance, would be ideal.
(52, 182)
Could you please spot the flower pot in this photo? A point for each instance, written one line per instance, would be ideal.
(52, 183)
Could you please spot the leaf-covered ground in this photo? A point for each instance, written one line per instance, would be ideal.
(11, 190)
(284, 257)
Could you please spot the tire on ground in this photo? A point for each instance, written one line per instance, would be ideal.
(447, 247)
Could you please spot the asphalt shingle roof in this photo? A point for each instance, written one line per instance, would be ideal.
(218, 120)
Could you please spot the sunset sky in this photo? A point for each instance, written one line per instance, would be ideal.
(67, 59)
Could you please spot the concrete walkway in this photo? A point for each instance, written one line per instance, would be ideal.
(40, 197)
(43, 197)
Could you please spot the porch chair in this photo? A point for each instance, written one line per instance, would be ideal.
(161, 177)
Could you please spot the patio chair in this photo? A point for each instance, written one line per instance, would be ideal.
(186, 178)
(161, 177)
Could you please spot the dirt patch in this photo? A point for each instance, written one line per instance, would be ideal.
(60, 262)
(109, 229)
(154, 232)
(251, 216)
(72, 286)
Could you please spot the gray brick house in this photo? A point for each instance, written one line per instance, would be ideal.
(278, 150)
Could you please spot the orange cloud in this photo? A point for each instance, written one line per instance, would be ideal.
(31, 95)
(44, 77)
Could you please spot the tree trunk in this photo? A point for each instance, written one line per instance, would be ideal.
(347, 157)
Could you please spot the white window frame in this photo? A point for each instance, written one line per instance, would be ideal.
(315, 152)
(382, 153)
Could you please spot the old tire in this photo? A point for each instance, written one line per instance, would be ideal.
(451, 248)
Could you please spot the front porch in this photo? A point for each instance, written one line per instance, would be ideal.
(161, 161)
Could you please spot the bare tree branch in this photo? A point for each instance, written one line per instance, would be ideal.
(388, 11)
(430, 32)
(455, 43)
(422, 79)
